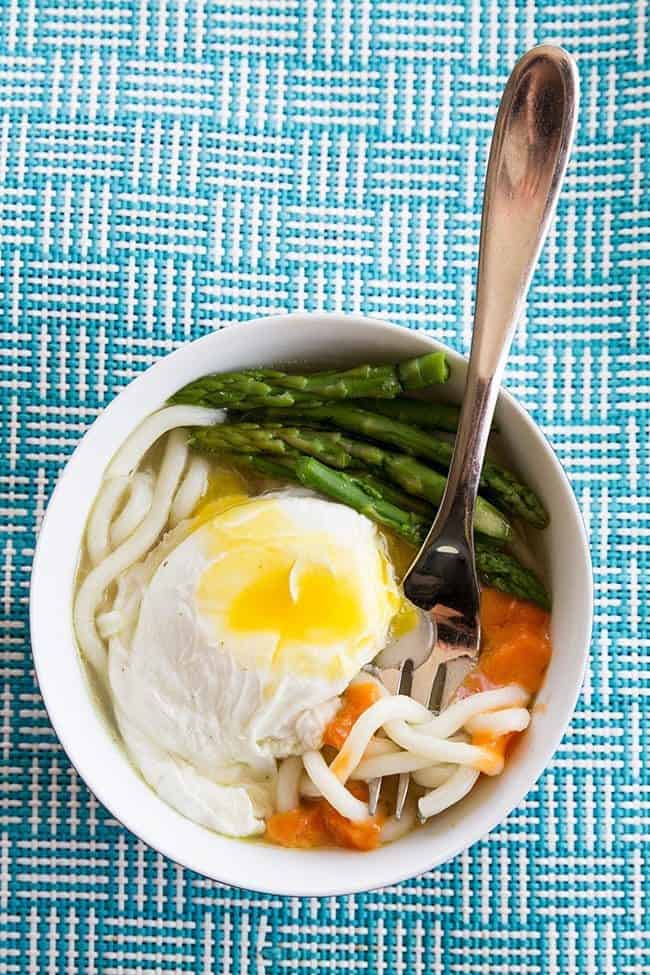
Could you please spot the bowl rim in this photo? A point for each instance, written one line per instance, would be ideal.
(92, 777)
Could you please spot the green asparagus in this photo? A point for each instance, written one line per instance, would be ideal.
(341, 452)
(371, 483)
(502, 571)
(510, 493)
(420, 413)
(495, 567)
(251, 438)
(247, 394)
(250, 388)
(346, 490)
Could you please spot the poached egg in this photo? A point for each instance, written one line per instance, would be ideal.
(247, 631)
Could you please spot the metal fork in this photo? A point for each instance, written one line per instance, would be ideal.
(531, 142)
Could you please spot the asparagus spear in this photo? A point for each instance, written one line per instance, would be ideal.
(250, 388)
(342, 452)
(423, 371)
(248, 394)
(510, 493)
(502, 571)
(495, 567)
(371, 483)
(344, 489)
(420, 413)
(252, 438)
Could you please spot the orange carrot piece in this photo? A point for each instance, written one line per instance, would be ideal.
(357, 699)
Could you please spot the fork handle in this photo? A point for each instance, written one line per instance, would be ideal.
(530, 147)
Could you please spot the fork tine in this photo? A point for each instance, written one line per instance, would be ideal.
(402, 791)
(438, 688)
(374, 786)
(374, 791)
(406, 677)
(405, 686)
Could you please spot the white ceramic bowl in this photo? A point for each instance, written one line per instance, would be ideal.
(94, 747)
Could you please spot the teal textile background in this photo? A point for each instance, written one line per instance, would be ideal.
(172, 166)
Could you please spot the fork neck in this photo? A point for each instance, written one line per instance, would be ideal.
(457, 508)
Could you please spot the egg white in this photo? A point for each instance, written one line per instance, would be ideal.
(206, 707)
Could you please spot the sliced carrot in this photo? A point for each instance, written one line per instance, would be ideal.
(357, 699)
(316, 823)
(303, 827)
(353, 836)
(497, 749)
(496, 608)
(522, 658)
(515, 642)
(499, 608)
(498, 745)
(475, 682)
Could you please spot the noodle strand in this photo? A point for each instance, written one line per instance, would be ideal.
(435, 775)
(394, 828)
(191, 490)
(133, 549)
(135, 509)
(307, 788)
(287, 785)
(333, 789)
(439, 749)
(450, 792)
(497, 723)
(128, 457)
(110, 624)
(104, 508)
(395, 764)
(456, 715)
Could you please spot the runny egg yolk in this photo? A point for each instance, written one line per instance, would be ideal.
(226, 488)
(296, 587)
(298, 602)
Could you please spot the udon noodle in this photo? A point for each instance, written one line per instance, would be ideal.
(113, 543)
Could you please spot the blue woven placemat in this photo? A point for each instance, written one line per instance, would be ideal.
(167, 166)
